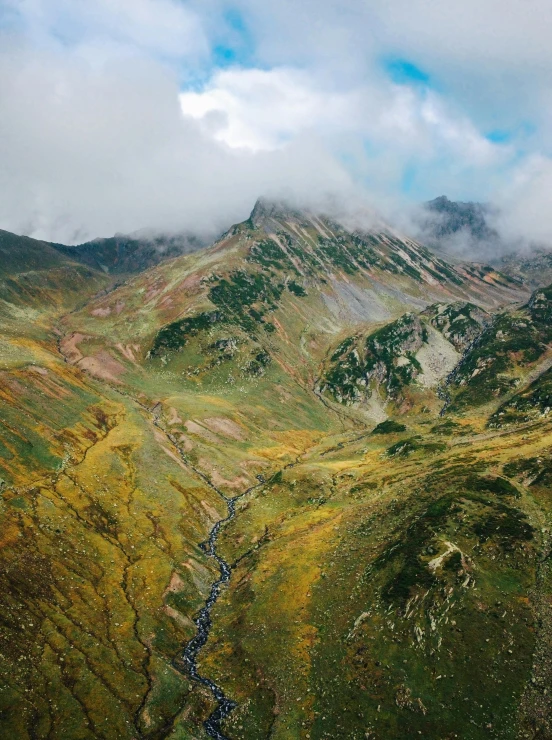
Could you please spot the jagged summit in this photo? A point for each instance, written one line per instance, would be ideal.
(267, 210)
(445, 218)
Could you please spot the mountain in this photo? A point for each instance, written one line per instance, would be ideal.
(45, 278)
(37, 281)
(294, 484)
(534, 267)
(446, 221)
(126, 255)
(465, 229)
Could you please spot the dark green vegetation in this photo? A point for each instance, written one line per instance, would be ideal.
(389, 427)
(460, 323)
(406, 447)
(514, 341)
(386, 358)
(176, 335)
(243, 300)
(390, 557)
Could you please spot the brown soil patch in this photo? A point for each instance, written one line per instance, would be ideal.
(224, 426)
(102, 366)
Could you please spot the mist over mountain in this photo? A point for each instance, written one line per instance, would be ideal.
(460, 228)
(454, 217)
(479, 231)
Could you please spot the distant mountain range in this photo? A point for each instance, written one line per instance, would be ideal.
(118, 255)
(126, 254)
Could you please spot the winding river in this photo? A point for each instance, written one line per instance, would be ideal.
(203, 622)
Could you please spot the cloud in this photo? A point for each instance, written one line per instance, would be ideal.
(87, 152)
(525, 217)
(378, 125)
(263, 109)
(124, 114)
(478, 39)
(165, 28)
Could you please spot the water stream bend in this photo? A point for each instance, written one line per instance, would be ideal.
(203, 622)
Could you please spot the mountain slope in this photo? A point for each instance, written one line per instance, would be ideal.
(372, 578)
(37, 284)
(280, 283)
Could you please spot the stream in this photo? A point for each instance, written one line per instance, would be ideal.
(203, 622)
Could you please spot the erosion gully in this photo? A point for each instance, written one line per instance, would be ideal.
(203, 621)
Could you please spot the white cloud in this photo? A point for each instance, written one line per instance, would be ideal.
(97, 137)
(87, 152)
(162, 27)
(262, 109)
(524, 202)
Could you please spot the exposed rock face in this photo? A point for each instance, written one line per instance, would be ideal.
(384, 358)
(459, 323)
(446, 218)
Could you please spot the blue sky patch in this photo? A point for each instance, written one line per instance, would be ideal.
(499, 136)
(238, 47)
(403, 72)
(409, 179)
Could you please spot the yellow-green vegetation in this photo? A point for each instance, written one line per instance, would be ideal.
(388, 557)
(387, 597)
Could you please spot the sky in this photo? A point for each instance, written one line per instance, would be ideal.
(121, 115)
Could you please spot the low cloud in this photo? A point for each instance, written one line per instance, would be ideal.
(89, 152)
(115, 116)
(523, 201)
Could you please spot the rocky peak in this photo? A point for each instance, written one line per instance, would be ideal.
(445, 218)
(266, 211)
